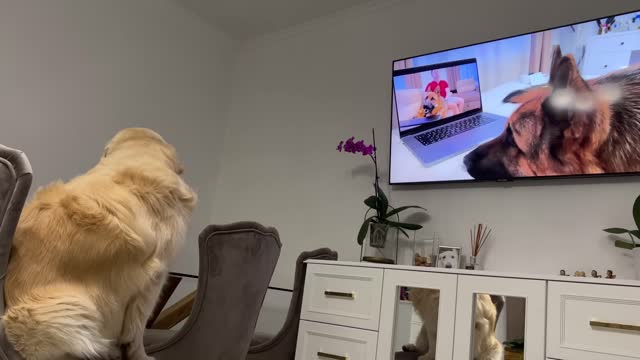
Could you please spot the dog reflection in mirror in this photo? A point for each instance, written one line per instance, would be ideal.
(426, 303)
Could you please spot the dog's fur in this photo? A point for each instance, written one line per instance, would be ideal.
(448, 259)
(90, 256)
(486, 345)
(426, 303)
(570, 126)
(433, 104)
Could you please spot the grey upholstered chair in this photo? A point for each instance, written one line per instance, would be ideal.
(15, 182)
(282, 346)
(236, 264)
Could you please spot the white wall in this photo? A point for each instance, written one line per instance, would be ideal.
(74, 72)
(296, 93)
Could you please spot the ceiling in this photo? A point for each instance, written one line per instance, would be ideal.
(250, 18)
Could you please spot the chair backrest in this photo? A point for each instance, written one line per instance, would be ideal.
(283, 345)
(236, 265)
(15, 182)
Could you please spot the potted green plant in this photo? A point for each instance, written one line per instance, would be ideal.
(634, 236)
(385, 218)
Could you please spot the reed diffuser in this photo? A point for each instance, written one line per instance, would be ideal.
(479, 235)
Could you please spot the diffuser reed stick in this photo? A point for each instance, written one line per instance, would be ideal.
(479, 235)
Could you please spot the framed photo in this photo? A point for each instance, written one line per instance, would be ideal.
(449, 257)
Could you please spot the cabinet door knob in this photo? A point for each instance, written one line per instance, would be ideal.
(339, 294)
(331, 356)
(610, 325)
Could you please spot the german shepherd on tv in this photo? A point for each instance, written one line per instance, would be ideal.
(568, 127)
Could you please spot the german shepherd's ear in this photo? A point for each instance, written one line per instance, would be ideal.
(522, 96)
(555, 60)
(564, 72)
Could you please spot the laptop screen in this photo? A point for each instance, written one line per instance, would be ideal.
(427, 96)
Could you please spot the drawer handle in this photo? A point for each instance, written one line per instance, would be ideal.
(339, 294)
(331, 356)
(609, 325)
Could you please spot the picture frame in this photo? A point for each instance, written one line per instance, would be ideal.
(449, 257)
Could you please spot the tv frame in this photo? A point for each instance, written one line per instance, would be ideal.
(543, 177)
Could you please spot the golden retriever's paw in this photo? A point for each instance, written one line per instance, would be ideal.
(115, 353)
(140, 357)
(409, 348)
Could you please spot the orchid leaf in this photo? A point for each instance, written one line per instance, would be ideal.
(624, 245)
(616, 230)
(372, 202)
(384, 201)
(404, 225)
(636, 212)
(364, 228)
(403, 208)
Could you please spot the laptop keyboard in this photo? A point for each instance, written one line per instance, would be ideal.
(449, 130)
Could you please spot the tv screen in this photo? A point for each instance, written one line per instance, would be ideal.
(559, 102)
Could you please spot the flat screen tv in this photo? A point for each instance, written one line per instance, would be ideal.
(558, 102)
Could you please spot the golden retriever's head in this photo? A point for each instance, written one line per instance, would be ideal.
(141, 141)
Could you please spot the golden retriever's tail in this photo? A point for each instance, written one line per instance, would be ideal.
(55, 323)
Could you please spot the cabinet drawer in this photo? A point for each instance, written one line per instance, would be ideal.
(343, 295)
(332, 342)
(593, 322)
(605, 61)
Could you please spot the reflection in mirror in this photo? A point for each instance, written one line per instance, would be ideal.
(416, 324)
(498, 327)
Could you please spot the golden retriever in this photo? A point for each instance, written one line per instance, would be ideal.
(90, 256)
(426, 303)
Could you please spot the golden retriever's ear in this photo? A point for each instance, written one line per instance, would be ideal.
(522, 96)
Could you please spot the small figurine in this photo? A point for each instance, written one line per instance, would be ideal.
(594, 274)
(580, 274)
(610, 275)
(563, 273)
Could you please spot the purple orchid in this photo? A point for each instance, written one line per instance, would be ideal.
(355, 147)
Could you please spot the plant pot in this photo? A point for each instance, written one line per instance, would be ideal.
(378, 235)
(382, 246)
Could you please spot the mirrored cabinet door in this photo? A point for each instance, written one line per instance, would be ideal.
(500, 318)
(417, 316)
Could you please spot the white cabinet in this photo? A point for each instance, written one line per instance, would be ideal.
(325, 342)
(343, 295)
(360, 311)
(593, 322)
